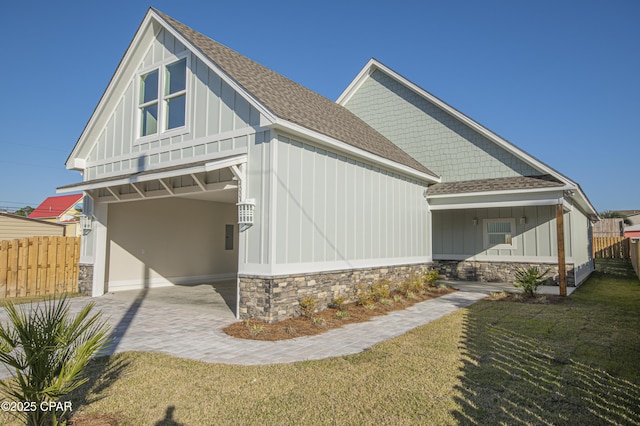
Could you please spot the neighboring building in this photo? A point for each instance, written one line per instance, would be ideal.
(633, 216)
(62, 209)
(13, 226)
(201, 165)
(632, 231)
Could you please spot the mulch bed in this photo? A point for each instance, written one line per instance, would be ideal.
(327, 319)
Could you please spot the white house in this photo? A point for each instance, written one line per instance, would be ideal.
(201, 165)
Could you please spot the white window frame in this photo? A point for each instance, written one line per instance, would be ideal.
(485, 234)
(162, 99)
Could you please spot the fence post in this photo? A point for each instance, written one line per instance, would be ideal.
(4, 263)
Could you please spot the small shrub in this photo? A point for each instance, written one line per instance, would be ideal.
(529, 280)
(431, 277)
(364, 295)
(342, 315)
(307, 306)
(256, 329)
(397, 298)
(319, 322)
(411, 295)
(380, 290)
(337, 303)
(370, 306)
(412, 285)
(386, 302)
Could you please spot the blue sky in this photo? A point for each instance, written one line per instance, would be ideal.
(560, 79)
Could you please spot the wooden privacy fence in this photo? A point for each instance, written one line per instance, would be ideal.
(611, 247)
(38, 266)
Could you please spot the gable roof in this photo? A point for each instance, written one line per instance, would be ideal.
(55, 206)
(286, 104)
(293, 102)
(544, 169)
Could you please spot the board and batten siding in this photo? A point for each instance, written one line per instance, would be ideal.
(456, 237)
(218, 120)
(336, 212)
(582, 245)
(430, 135)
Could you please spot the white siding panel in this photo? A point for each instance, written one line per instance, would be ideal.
(294, 204)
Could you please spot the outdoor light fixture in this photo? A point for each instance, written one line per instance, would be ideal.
(245, 211)
(474, 220)
(523, 220)
(86, 222)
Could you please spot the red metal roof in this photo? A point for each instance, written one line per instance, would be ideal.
(55, 206)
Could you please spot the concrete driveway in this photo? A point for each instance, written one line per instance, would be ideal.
(187, 322)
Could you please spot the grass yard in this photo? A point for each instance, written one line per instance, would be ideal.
(575, 362)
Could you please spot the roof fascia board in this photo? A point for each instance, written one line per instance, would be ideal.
(489, 204)
(227, 79)
(213, 165)
(373, 64)
(505, 192)
(358, 81)
(328, 141)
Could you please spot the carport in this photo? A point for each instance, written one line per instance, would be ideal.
(169, 227)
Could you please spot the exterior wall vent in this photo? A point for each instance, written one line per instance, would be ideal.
(245, 211)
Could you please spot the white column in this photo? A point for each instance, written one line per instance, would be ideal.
(100, 256)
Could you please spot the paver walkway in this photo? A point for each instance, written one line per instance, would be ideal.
(146, 324)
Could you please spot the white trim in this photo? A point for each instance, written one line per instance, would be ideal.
(300, 131)
(502, 192)
(162, 130)
(317, 267)
(157, 282)
(233, 134)
(213, 165)
(483, 205)
(373, 64)
(492, 258)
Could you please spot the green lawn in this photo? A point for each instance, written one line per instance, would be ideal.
(492, 363)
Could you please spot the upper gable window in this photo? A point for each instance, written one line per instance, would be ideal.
(163, 110)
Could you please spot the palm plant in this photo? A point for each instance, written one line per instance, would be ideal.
(46, 349)
(530, 279)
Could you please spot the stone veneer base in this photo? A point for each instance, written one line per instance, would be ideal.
(276, 298)
(504, 272)
(85, 278)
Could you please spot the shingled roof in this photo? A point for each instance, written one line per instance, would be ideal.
(497, 184)
(293, 102)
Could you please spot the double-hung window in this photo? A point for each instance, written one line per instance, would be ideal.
(499, 233)
(162, 110)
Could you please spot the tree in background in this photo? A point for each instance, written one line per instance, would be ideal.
(25, 211)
